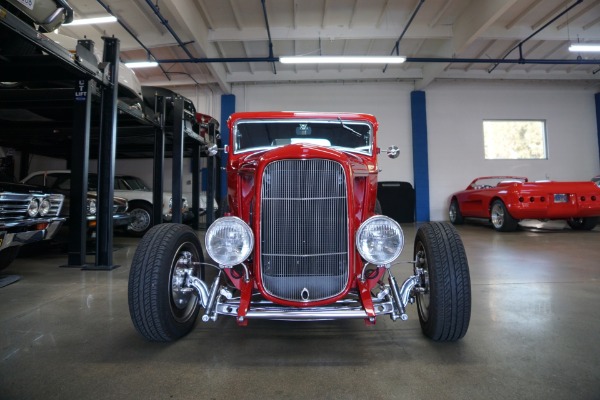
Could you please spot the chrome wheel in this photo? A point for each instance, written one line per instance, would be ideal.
(497, 215)
(452, 212)
(183, 298)
(423, 299)
(140, 220)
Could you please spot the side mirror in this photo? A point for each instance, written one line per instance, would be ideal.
(212, 150)
(393, 151)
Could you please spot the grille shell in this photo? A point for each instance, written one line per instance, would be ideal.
(304, 230)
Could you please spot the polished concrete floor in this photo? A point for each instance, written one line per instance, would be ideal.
(534, 334)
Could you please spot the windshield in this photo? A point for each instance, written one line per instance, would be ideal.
(342, 135)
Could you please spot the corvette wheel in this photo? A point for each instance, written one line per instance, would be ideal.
(444, 295)
(141, 219)
(583, 224)
(454, 213)
(501, 219)
(162, 308)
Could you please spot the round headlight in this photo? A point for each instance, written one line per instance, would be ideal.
(379, 240)
(44, 207)
(33, 207)
(229, 241)
(91, 206)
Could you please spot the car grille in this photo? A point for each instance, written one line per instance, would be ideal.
(13, 206)
(304, 230)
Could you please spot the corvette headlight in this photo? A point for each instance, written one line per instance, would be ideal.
(379, 240)
(91, 206)
(44, 207)
(229, 241)
(33, 207)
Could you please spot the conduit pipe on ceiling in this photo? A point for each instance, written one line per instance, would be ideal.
(264, 7)
(165, 22)
(410, 20)
(408, 59)
(124, 26)
(520, 44)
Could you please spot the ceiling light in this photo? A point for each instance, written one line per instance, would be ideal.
(141, 64)
(91, 21)
(583, 47)
(342, 59)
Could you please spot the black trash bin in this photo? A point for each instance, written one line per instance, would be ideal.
(397, 200)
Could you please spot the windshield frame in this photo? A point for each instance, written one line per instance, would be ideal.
(344, 123)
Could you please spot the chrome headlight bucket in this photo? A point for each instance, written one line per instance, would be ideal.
(33, 207)
(379, 240)
(229, 241)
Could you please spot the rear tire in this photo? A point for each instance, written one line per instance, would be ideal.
(444, 305)
(159, 309)
(501, 219)
(583, 224)
(456, 217)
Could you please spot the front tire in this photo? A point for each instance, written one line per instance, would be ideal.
(456, 217)
(501, 219)
(583, 224)
(444, 296)
(161, 307)
(141, 219)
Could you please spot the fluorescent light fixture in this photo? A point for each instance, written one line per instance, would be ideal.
(583, 47)
(141, 64)
(91, 21)
(342, 59)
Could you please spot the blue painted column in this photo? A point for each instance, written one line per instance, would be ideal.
(418, 112)
(597, 96)
(227, 108)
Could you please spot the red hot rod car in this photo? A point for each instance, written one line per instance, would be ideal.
(505, 200)
(301, 240)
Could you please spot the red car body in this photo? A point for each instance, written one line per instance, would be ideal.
(577, 202)
(245, 171)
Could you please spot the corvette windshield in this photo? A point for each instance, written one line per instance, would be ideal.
(342, 135)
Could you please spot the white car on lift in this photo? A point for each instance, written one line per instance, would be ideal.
(138, 195)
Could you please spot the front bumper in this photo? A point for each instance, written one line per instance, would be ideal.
(121, 220)
(25, 232)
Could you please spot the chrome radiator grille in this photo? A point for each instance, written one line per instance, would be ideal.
(304, 229)
(13, 206)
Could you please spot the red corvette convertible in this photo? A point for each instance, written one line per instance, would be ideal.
(505, 200)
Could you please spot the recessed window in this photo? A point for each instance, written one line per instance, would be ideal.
(515, 140)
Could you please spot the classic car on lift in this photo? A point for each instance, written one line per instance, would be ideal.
(301, 241)
(505, 200)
